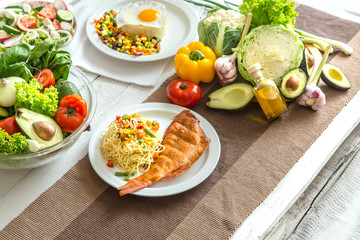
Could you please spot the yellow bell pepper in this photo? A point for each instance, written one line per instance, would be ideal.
(195, 63)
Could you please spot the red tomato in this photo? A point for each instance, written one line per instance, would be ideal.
(28, 22)
(9, 125)
(48, 12)
(75, 102)
(184, 93)
(71, 113)
(57, 25)
(45, 77)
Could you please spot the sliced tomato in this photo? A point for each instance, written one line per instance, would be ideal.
(48, 12)
(10, 126)
(57, 25)
(45, 77)
(71, 112)
(28, 22)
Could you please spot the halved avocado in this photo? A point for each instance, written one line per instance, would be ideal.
(232, 97)
(304, 65)
(334, 77)
(293, 83)
(66, 88)
(38, 127)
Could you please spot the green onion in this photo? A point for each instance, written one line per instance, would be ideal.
(121, 174)
(126, 178)
(133, 37)
(150, 133)
(154, 123)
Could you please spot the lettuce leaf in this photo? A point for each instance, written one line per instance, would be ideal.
(10, 144)
(270, 12)
(29, 95)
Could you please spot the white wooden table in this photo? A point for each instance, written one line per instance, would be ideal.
(284, 209)
(19, 188)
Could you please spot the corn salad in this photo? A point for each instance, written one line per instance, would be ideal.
(124, 42)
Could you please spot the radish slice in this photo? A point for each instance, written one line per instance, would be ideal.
(13, 41)
(60, 4)
(4, 35)
(68, 33)
(66, 26)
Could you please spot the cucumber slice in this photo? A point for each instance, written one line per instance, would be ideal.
(11, 30)
(15, 7)
(65, 15)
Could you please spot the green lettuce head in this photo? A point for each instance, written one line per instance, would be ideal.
(276, 48)
(221, 30)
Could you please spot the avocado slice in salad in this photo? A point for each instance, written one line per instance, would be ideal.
(232, 97)
(334, 77)
(38, 127)
(293, 83)
(4, 112)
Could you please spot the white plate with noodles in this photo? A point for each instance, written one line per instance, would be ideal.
(162, 113)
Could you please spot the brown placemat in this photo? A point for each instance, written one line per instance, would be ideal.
(255, 156)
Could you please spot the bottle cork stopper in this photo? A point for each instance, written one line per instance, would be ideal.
(255, 71)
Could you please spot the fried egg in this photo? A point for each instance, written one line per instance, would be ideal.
(144, 13)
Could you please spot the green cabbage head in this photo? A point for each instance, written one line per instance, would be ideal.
(276, 48)
(221, 30)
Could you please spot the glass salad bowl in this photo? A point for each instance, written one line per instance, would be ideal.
(50, 154)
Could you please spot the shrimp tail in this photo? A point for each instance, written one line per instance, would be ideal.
(133, 185)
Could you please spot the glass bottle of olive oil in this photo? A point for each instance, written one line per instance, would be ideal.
(267, 94)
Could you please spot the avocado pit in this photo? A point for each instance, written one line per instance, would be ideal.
(293, 83)
(45, 130)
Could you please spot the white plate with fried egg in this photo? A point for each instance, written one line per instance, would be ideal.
(181, 28)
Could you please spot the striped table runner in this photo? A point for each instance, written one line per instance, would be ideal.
(255, 156)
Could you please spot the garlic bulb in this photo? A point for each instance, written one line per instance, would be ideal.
(226, 69)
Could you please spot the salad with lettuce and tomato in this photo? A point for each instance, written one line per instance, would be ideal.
(39, 105)
(33, 21)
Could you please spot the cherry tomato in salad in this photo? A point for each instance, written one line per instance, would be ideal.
(28, 22)
(45, 77)
(184, 93)
(10, 126)
(71, 113)
(48, 12)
